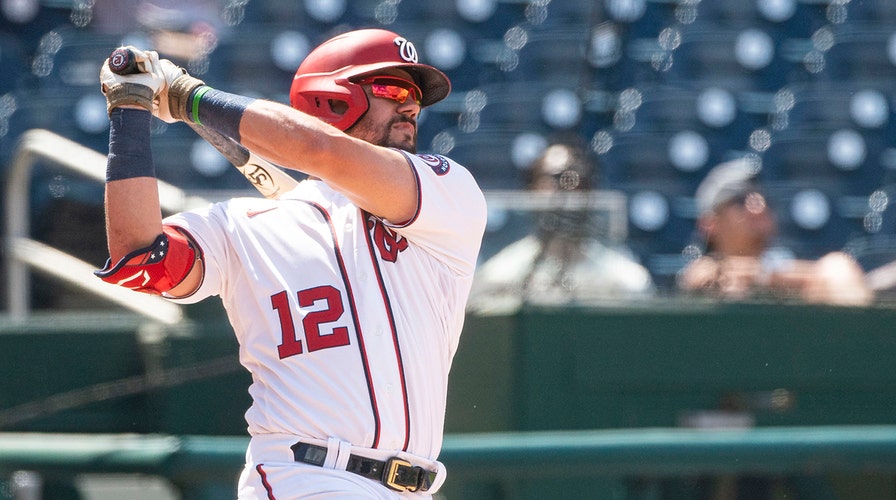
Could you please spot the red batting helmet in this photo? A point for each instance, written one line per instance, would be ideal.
(331, 70)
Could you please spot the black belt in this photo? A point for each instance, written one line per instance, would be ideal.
(396, 473)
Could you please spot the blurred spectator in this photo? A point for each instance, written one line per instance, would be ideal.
(738, 226)
(181, 30)
(883, 279)
(562, 261)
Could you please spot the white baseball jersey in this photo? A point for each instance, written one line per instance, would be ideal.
(347, 323)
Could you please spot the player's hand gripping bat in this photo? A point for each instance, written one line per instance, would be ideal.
(266, 177)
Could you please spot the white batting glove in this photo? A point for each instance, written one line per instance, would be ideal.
(170, 104)
(138, 89)
(169, 72)
(179, 91)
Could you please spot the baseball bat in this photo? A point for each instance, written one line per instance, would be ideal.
(123, 62)
(270, 180)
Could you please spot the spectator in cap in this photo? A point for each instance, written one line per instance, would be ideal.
(562, 261)
(738, 227)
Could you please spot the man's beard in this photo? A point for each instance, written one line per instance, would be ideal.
(383, 136)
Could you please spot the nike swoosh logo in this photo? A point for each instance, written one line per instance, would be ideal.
(253, 213)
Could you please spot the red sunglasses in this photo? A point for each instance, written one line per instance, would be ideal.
(392, 87)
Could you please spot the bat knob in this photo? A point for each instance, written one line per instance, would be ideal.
(123, 62)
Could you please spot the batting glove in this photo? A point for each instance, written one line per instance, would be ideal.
(138, 89)
(169, 72)
(177, 98)
(171, 104)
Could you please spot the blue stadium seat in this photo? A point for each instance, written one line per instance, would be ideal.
(795, 19)
(882, 212)
(723, 118)
(487, 153)
(277, 12)
(643, 157)
(71, 58)
(741, 57)
(801, 154)
(640, 18)
(861, 51)
(55, 110)
(729, 11)
(246, 64)
(575, 13)
(855, 103)
(16, 120)
(49, 16)
(810, 242)
(645, 61)
(880, 11)
(14, 62)
(173, 156)
(427, 12)
(559, 52)
(515, 104)
(659, 248)
(431, 123)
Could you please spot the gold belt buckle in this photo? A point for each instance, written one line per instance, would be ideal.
(392, 474)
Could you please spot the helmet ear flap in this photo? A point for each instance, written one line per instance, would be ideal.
(340, 105)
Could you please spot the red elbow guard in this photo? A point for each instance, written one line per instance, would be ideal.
(156, 268)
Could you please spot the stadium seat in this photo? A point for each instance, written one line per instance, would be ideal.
(515, 104)
(793, 18)
(247, 65)
(857, 103)
(487, 153)
(69, 58)
(28, 30)
(880, 11)
(551, 53)
(574, 13)
(729, 11)
(838, 155)
(862, 51)
(637, 157)
(14, 63)
(797, 215)
(668, 227)
(55, 110)
(741, 57)
(489, 19)
(186, 161)
(713, 111)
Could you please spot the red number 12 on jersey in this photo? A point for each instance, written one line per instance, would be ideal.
(311, 323)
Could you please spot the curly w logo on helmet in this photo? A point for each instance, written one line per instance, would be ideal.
(406, 49)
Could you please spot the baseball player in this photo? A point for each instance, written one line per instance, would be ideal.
(347, 293)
